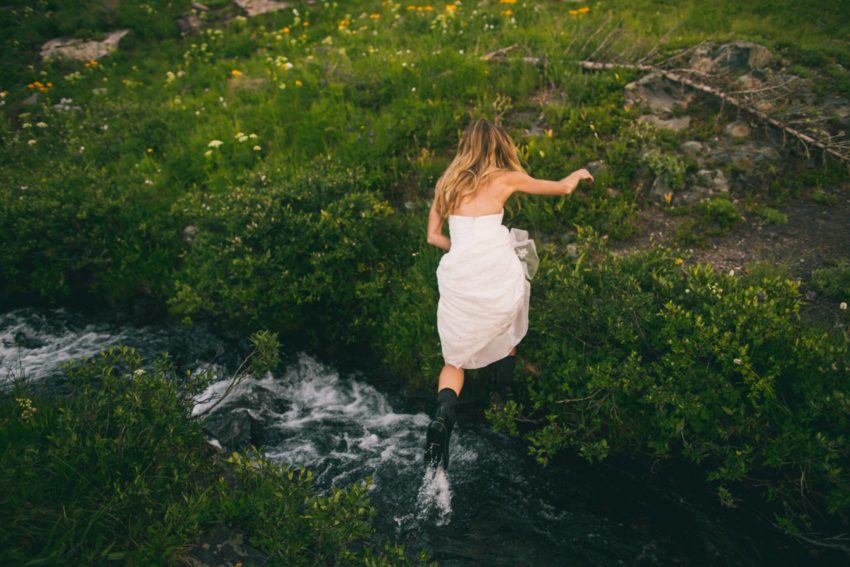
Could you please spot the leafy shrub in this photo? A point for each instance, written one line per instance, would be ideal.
(118, 471)
(668, 166)
(718, 213)
(771, 215)
(834, 281)
(637, 355)
(312, 254)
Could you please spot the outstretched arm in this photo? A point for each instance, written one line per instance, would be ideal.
(435, 229)
(519, 181)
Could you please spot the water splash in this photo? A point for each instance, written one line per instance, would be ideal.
(434, 500)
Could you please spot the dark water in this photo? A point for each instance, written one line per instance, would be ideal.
(495, 507)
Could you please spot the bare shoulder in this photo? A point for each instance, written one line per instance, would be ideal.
(510, 181)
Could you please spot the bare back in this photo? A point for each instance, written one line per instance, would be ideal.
(489, 199)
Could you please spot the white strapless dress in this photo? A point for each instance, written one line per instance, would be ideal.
(484, 290)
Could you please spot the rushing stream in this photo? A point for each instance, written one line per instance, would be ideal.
(495, 507)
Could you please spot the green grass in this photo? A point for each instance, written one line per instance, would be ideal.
(302, 147)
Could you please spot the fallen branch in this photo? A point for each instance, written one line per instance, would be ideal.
(678, 78)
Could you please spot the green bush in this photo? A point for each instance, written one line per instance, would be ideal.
(117, 470)
(637, 355)
(312, 254)
(834, 281)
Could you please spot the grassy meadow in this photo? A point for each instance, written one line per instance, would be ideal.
(275, 173)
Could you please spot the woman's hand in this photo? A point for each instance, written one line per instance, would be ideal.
(571, 181)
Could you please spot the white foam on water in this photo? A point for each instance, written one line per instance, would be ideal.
(434, 499)
(33, 346)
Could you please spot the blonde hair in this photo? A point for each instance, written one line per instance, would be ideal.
(484, 149)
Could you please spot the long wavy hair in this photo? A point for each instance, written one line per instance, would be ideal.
(484, 149)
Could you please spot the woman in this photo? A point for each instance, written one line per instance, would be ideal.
(482, 313)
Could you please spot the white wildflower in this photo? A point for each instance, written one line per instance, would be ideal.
(738, 361)
(215, 143)
(257, 148)
(843, 306)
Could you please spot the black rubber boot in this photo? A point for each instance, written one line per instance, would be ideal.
(440, 429)
(503, 377)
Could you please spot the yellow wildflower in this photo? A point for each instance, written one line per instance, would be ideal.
(429, 8)
(305, 24)
(297, 83)
(583, 10)
(507, 12)
(668, 197)
(507, 1)
(679, 261)
(285, 29)
(375, 16)
(236, 73)
(449, 7)
(410, 7)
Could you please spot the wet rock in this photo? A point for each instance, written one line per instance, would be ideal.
(652, 92)
(236, 428)
(738, 129)
(82, 50)
(257, 7)
(23, 340)
(675, 124)
(222, 546)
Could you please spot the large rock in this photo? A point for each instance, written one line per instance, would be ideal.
(741, 56)
(735, 57)
(738, 129)
(652, 92)
(694, 149)
(81, 50)
(675, 124)
(750, 155)
(659, 191)
(706, 183)
(257, 7)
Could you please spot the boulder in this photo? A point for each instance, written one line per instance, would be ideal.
(257, 7)
(189, 23)
(741, 56)
(738, 129)
(659, 191)
(81, 50)
(693, 148)
(675, 124)
(652, 92)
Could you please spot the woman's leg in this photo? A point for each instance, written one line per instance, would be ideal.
(439, 431)
(451, 377)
